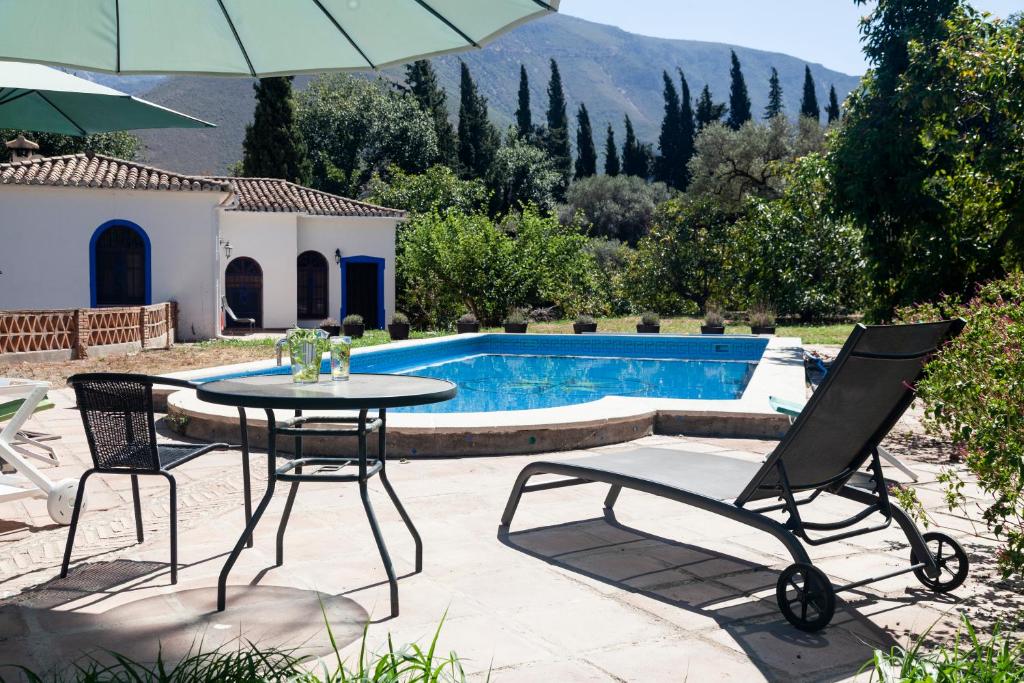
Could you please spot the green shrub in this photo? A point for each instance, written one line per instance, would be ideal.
(761, 315)
(614, 207)
(400, 318)
(973, 393)
(584, 319)
(713, 316)
(436, 189)
(650, 318)
(967, 659)
(468, 319)
(517, 316)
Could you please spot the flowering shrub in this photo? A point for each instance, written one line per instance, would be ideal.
(974, 393)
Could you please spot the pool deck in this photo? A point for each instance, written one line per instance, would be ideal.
(613, 419)
(662, 593)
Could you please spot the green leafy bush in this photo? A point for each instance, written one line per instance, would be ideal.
(614, 207)
(791, 252)
(973, 392)
(453, 262)
(970, 658)
(521, 174)
(437, 189)
(517, 316)
(650, 318)
(352, 319)
(684, 261)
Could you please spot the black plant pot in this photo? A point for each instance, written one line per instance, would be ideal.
(712, 329)
(398, 331)
(580, 328)
(354, 331)
(762, 330)
(331, 330)
(515, 328)
(467, 328)
(647, 329)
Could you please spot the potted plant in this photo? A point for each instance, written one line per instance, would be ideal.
(516, 321)
(650, 323)
(353, 325)
(714, 322)
(762, 319)
(399, 327)
(468, 324)
(331, 326)
(584, 323)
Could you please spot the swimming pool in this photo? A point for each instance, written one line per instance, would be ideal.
(525, 372)
(537, 393)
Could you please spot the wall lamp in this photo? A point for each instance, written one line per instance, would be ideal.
(337, 256)
(227, 248)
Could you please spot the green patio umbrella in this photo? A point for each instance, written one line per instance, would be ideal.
(41, 99)
(250, 37)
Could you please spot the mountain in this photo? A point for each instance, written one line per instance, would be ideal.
(614, 72)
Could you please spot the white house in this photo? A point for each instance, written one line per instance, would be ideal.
(83, 230)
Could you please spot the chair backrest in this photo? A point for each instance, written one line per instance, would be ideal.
(117, 412)
(867, 389)
(227, 308)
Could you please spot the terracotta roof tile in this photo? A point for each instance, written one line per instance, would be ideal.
(275, 195)
(96, 170)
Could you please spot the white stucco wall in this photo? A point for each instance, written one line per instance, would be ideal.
(269, 239)
(354, 237)
(44, 247)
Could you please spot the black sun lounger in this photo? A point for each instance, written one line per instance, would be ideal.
(868, 388)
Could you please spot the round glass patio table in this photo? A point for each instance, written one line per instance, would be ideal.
(361, 393)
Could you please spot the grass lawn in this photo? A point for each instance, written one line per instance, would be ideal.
(190, 356)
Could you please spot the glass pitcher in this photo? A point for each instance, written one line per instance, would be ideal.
(306, 347)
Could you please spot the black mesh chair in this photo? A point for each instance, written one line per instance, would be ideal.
(117, 412)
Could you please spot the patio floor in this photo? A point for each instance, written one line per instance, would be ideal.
(661, 592)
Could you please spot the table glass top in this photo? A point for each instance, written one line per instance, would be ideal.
(359, 391)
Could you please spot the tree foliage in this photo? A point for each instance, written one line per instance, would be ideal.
(687, 130)
(612, 166)
(791, 254)
(273, 146)
(478, 139)
(119, 144)
(832, 110)
(637, 158)
(454, 262)
(614, 207)
(357, 128)
(422, 81)
(438, 189)
(809, 102)
(708, 111)
(730, 165)
(586, 153)
(669, 167)
(927, 160)
(739, 99)
(524, 116)
(775, 105)
(556, 137)
(521, 174)
(683, 263)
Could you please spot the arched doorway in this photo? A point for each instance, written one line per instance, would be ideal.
(312, 286)
(243, 286)
(119, 265)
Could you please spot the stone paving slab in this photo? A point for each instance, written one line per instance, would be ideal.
(659, 592)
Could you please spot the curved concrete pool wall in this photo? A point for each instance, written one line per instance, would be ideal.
(612, 419)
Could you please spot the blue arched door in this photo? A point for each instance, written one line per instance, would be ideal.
(119, 263)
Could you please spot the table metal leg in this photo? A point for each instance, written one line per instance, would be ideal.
(382, 455)
(364, 494)
(246, 477)
(222, 580)
(292, 491)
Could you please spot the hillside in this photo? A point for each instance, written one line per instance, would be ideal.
(613, 71)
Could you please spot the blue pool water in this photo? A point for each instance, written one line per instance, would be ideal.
(498, 372)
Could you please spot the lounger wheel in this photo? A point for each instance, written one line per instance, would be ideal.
(806, 597)
(60, 501)
(951, 558)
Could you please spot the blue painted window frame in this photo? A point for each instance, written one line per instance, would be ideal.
(380, 262)
(120, 223)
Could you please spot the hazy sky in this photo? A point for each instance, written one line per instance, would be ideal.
(823, 31)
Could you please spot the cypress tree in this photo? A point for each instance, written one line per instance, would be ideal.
(557, 138)
(669, 165)
(708, 111)
(775, 106)
(273, 147)
(833, 110)
(687, 131)
(478, 140)
(809, 104)
(422, 81)
(524, 118)
(611, 154)
(739, 99)
(635, 158)
(586, 153)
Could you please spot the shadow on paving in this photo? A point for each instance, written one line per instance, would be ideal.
(64, 621)
(702, 581)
